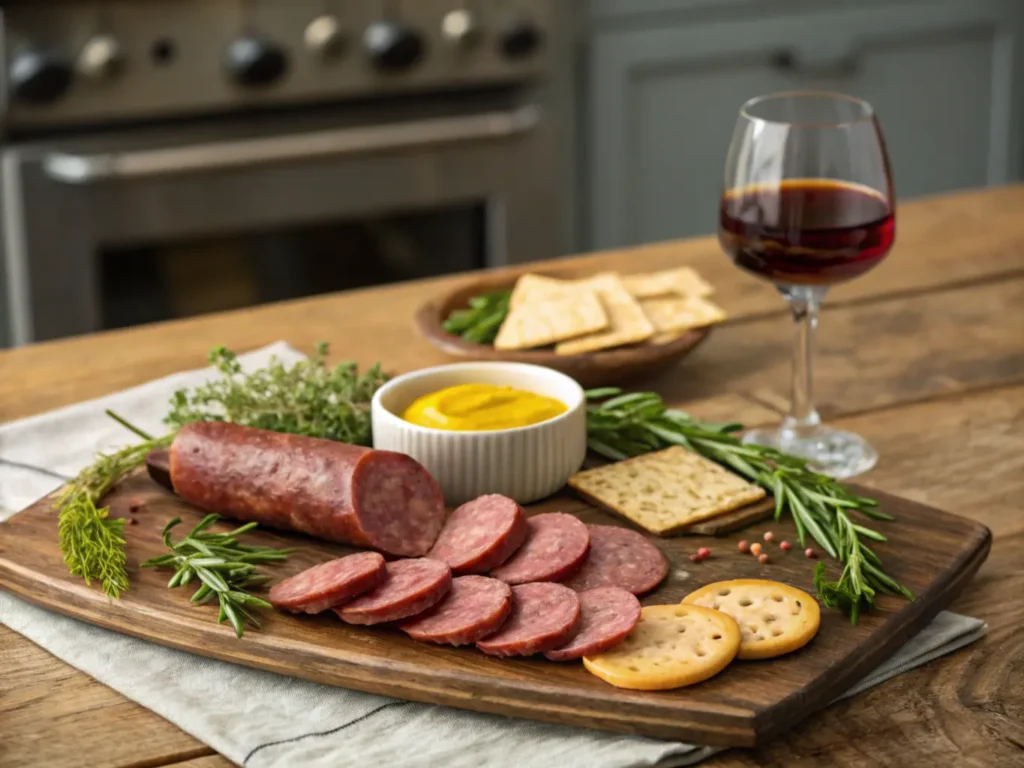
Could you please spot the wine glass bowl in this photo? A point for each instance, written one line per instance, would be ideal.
(808, 202)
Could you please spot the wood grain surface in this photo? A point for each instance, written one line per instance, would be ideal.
(931, 552)
(950, 435)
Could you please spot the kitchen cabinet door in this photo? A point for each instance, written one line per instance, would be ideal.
(944, 78)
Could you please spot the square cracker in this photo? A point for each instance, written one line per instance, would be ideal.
(682, 281)
(531, 288)
(666, 491)
(627, 322)
(538, 322)
(672, 314)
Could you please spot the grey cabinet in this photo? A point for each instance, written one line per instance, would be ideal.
(663, 86)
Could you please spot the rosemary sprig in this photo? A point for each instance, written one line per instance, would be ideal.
(92, 541)
(625, 425)
(481, 321)
(224, 567)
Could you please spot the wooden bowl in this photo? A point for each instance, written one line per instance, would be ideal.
(593, 369)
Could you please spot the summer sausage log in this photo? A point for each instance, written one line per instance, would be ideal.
(619, 557)
(544, 616)
(330, 490)
(409, 588)
(481, 534)
(607, 615)
(475, 607)
(329, 584)
(555, 547)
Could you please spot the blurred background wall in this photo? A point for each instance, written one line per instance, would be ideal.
(165, 158)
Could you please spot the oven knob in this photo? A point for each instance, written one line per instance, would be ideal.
(521, 38)
(323, 36)
(252, 61)
(38, 77)
(100, 57)
(392, 46)
(460, 27)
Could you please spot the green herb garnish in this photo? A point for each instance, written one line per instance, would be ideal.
(93, 542)
(308, 398)
(626, 425)
(482, 320)
(224, 567)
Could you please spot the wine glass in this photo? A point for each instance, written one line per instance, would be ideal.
(808, 202)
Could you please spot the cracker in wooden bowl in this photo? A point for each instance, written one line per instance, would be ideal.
(682, 281)
(537, 322)
(665, 491)
(672, 314)
(627, 322)
(774, 618)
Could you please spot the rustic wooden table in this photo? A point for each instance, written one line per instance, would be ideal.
(924, 356)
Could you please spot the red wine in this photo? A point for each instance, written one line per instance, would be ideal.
(806, 231)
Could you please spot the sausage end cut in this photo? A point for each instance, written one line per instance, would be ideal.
(348, 493)
(329, 584)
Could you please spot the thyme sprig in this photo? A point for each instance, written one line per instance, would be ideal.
(623, 425)
(224, 567)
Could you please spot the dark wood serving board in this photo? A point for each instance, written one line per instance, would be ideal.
(934, 553)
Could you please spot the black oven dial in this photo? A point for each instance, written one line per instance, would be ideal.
(39, 77)
(520, 38)
(392, 46)
(252, 61)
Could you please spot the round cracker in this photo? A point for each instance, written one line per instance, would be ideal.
(774, 618)
(672, 646)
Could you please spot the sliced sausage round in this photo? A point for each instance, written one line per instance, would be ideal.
(607, 615)
(554, 549)
(544, 616)
(475, 607)
(481, 534)
(330, 490)
(329, 584)
(621, 558)
(410, 587)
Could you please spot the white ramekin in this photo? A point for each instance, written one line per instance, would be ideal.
(526, 463)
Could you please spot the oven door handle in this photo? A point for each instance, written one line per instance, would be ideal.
(88, 169)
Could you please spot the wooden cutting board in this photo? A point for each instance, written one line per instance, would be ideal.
(934, 553)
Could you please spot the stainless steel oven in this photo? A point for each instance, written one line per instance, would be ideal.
(351, 143)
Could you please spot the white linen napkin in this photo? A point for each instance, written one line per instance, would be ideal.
(260, 719)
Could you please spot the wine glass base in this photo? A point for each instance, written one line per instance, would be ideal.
(832, 452)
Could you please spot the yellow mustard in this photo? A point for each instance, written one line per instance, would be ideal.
(478, 407)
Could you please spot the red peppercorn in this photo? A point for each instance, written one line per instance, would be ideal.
(703, 552)
(695, 558)
(810, 553)
(762, 558)
(768, 536)
(744, 547)
(784, 545)
(755, 548)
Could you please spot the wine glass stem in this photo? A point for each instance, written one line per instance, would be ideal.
(804, 302)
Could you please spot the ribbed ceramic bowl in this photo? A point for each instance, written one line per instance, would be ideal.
(526, 463)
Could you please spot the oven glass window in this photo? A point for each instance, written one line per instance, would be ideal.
(142, 283)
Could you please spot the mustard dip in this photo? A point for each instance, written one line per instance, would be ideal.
(479, 407)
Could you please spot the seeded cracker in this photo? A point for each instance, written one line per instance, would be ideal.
(670, 282)
(627, 322)
(538, 322)
(666, 491)
(670, 314)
